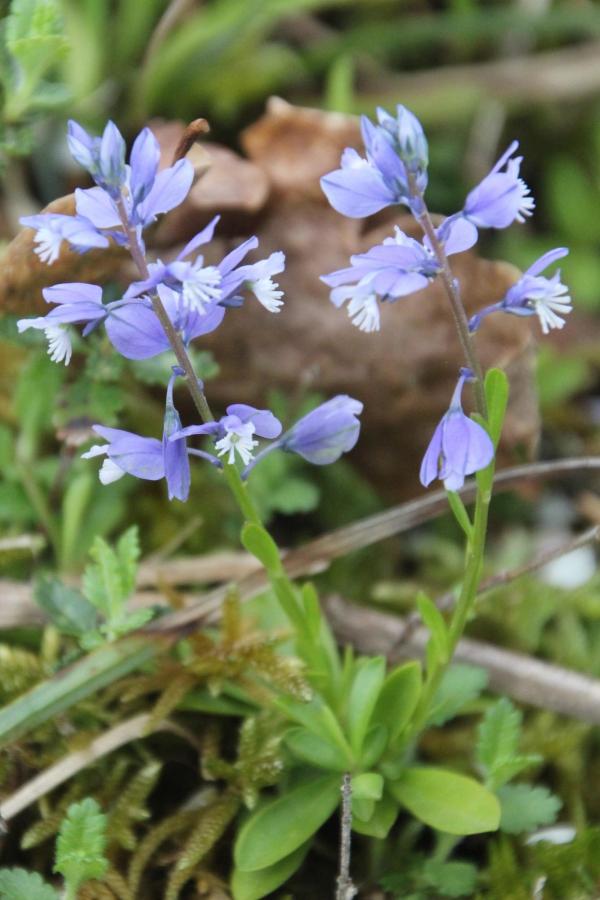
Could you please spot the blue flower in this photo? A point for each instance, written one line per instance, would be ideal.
(326, 432)
(388, 271)
(534, 295)
(78, 303)
(51, 229)
(137, 192)
(148, 458)
(136, 332)
(408, 139)
(394, 148)
(103, 157)
(501, 198)
(234, 433)
(201, 287)
(459, 446)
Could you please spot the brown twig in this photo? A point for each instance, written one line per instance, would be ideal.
(313, 557)
(189, 138)
(446, 601)
(56, 774)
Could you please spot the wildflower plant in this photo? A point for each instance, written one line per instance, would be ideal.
(353, 722)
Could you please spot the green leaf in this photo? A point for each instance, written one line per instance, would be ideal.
(525, 808)
(281, 826)
(36, 41)
(313, 749)
(320, 720)
(16, 884)
(498, 734)
(498, 740)
(385, 813)
(367, 786)
(109, 581)
(260, 544)
(460, 685)
(437, 645)
(398, 699)
(460, 513)
(65, 606)
(128, 553)
(496, 395)
(451, 879)
(447, 801)
(72, 684)
(364, 694)
(75, 501)
(374, 745)
(257, 884)
(81, 843)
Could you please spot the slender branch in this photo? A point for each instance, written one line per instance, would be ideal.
(345, 887)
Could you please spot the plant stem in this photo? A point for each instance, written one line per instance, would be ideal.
(477, 536)
(453, 292)
(138, 256)
(345, 888)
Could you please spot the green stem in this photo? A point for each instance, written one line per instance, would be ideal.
(240, 492)
(232, 476)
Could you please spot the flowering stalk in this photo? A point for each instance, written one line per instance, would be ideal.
(139, 258)
(476, 538)
(452, 289)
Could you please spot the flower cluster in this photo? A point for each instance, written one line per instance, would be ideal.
(194, 296)
(394, 171)
(320, 437)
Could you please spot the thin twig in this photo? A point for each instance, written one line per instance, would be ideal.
(18, 607)
(345, 887)
(447, 601)
(123, 733)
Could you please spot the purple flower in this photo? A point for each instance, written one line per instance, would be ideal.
(103, 157)
(534, 295)
(201, 287)
(78, 303)
(324, 434)
(135, 330)
(137, 192)
(394, 269)
(257, 277)
(408, 139)
(54, 228)
(127, 453)
(148, 458)
(395, 147)
(501, 198)
(234, 432)
(459, 445)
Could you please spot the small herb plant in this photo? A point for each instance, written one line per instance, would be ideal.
(352, 727)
